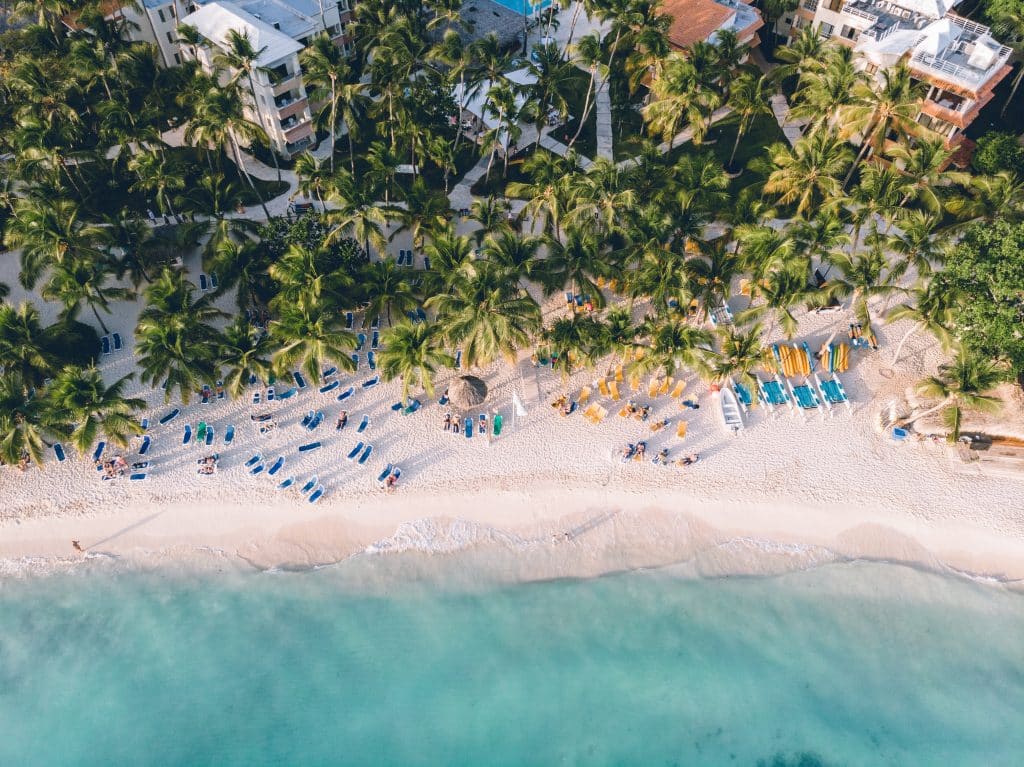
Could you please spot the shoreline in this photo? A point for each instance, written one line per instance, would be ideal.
(588, 533)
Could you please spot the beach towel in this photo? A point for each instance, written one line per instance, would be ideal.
(145, 445)
(299, 380)
(253, 461)
(497, 424)
(285, 484)
(363, 424)
(117, 342)
(330, 387)
(105, 344)
(58, 450)
(276, 467)
(229, 435)
(371, 382)
(188, 435)
(384, 474)
(468, 428)
(354, 451)
(309, 446)
(345, 394)
(317, 494)
(366, 455)
(309, 485)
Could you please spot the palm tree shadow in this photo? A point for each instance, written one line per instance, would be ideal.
(124, 530)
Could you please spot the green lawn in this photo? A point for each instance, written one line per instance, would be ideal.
(586, 144)
(628, 128)
(763, 132)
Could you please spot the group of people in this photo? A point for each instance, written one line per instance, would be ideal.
(208, 464)
(113, 467)
(859, 338)
(638, 452)
(564, 405)
(451, 424)
(640, 412)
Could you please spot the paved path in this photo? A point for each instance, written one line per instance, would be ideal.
(603, 105)
(553, 145)
(780, 106)
(680, 138)
(460, 197)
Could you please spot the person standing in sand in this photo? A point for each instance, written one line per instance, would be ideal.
(77, 546)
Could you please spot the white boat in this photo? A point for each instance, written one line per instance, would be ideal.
(731, 414)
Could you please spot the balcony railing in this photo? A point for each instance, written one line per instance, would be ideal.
(959, 73)
(860, 13)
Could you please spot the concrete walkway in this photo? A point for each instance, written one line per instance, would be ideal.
(680, 138)
(603, 105)
(460, 197)
(793, 130)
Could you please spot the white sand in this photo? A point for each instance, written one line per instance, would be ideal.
(786, 492)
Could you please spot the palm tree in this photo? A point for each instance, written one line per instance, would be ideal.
(83, 283)
(426, 211)
(356, 212)
(158, 177)
(326, 69)
(915, 242)
(575, 265)
(383, 285)
(23, 421)
(314, 176)
(85, 407)
(924, 164)
(413, 352)
(244, 353)
(487, 314)
(988, 198)
(808, 173)
(589, 54)
(678, 96)
(749, 98)
(309, 335)
(827, 90)
(554, 82)
(965, 383)
(931, 307)
(22, 350)
(301, 274)
(576, 340)
(865, 274)
(49, 234)
(877, 109)
(801, 57)
(673, 344)
(492, 215)
(713, 272)
(741, 353)
(515, 254)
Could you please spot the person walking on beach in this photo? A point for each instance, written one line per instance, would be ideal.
(77, 546)
(342, 420)
(447, 421)
(455, 426)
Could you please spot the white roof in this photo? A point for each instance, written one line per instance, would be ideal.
(932, 9)
(216, 19)
(476, 98)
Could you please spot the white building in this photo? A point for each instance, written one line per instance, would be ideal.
(958, 59)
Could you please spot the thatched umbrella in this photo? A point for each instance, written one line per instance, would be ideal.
(466, 392)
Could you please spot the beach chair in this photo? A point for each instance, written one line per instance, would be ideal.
(375, 340)
(371, 359)
(146, 442)
(257, 469)
(363, 424)
(590, 412)
(355, 451)
(202, 282)
(309, 446)
(286, 483)
(309, 485)
(144, 423)
(634, 383)
(138, 476)
(256, 398)
(213, 281)
(624, 412)
(105, 344)
(371, 382)
(458, 359)
(209, 435)
(299, 380)
(188, 435)
(584, 396)
(385, 474)
(317, 494)
(288, 393)
(229, 435)
(376, 322)
(468, 428)
(680, 387)
(366, 455)
(613, 387)
(602, 386)
(276, 467)
(360, 341)
(618, 374)
(58, 450)
(666, 384)
(599, 416)
(412, 407)
(117, 342)
(496, 425)
(681, 430)
(253, 461)
(330, 387)
(220, 390)
(349, 319)
(345, 394)
(98, 452)
(328, 372)
(355, 362)
(652, 388)
(270, 394)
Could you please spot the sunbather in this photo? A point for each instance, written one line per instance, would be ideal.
(641, 450)
(390, 482)
(688, 460)
(627, 451)
(448, 421)
(659, 425)
(455, 426)
(692, 404)
(662, 457)
(342, 420)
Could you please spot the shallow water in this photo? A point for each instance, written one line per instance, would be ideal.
(861, 664)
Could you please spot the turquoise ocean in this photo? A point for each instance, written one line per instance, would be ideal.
(847, 664)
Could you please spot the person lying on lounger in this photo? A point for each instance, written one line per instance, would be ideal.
(662, 457)
(641, 450)
(692, 458)
(659, 425)
(627, 452)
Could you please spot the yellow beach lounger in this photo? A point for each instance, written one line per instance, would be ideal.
(602, 386)
(634, 383)
(681, 431)
(601, 413)
(652, 388)
(624, 412)
(618, 375)
(613, 387)
(584, 396)
(666, 384)
(678, 390)
(591, 412)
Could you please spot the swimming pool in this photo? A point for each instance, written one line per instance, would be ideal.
(523, 6)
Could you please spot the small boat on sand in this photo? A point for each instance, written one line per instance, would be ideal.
(732, 417)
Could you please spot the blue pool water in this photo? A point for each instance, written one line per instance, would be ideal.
(844, 665)
(524, 6)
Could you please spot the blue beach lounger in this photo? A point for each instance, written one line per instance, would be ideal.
(256, 398)
(412, 407)
(299, 380)
(363, 424)
(277, 466)
(421, 315)
(309, 446)
(397, 406)
(330, 387)
(58, 450)
(169, 417)
(117, 342)
(371, 358)
(254, 460)
(376, 322)
(270, 394)
(458, 359)
(316, 421)
(354, 451)
(285, 484)
(188, 435)
(229, 435)
(105, 344)
(371, 382)
(346, 394)
(328, 372)
(146, 442)
(384, 474)
(375, 341)
(317, 494)
(349, 319)
(360, 341)
(366, 455)
(288, 394)
(202, 282)
(213, 281)
(307, 418)
(355, 360)
(209, 435)
(137, 477)
(309, 485)
(144, 423)
(220, 390)
(468, 428)
(257, 469)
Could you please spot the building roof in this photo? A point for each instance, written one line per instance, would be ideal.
(694, 20)
(296, 18)
(214, 21)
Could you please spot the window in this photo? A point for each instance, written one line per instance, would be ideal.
(849, 32)
(825, 30)
(170, 38)
(811, 5)
(871, 68)
(834, 5)
(177, 58)
(787, 20)
(160, 13)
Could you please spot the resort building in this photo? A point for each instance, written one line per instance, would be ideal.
(701, 20)
(958, 59)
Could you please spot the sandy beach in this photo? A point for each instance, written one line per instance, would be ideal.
(552, 491)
